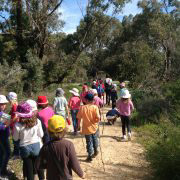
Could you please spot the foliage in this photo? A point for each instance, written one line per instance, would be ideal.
(163, 149)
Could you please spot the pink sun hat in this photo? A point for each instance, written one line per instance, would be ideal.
(24, 110)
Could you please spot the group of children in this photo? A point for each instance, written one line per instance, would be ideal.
(38, 135)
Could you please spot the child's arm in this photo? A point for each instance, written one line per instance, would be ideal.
(131, 105)
(16, 133)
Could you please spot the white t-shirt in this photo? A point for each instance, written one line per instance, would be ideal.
(28, 136)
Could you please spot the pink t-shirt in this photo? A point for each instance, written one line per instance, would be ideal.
(45, 114)
(98, 101)
(125, 109)
(74, 103)
(82, 95)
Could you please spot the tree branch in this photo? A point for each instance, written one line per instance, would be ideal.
(56, 7)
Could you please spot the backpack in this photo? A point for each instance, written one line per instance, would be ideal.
(100, 90)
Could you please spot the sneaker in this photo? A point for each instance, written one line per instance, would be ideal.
(95, 154)
(89, 159)
(129, 136)
(123, 139)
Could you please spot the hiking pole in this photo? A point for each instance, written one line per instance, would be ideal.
(100, 143)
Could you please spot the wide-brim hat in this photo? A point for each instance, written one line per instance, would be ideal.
(56, 124)
(12, 96)
(24, 110)
(59, 91)
(3, 99)
(42, 100)
(126, 96)
(94, 91)
(33, 104)
(74, 91)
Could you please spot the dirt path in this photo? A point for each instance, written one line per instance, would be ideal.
(121, 160)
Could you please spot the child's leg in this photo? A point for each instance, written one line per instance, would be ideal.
(4, 155)
(74, 119)
(28, 163)
(123, 120)
(127, 123)
(89, 145)
(95, 141)
(16, 148)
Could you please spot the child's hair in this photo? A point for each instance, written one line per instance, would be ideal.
(43, 105)
(58, 135)
(29, 122)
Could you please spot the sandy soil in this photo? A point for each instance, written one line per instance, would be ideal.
(117, 160)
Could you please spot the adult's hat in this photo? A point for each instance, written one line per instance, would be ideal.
(74, 91)
(3, 99)
(24, 110)
(12, 96)
(89, 97)
(42, 100)
(33, 104)
(56, 124)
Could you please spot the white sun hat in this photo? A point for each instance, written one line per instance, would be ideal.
(74, 91)
(12, 96)
(94, 91)
(3, 99)
(33, 104)
(125, 94)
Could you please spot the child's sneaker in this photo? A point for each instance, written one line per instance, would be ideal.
(95, 154)
(123, 139)
(129, 136)
(89, 159)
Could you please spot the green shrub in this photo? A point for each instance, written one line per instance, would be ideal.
(162, 143)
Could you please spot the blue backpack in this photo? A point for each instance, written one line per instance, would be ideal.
(100, 90)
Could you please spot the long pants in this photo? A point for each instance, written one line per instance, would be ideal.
(74, 119)
(108, 97)
(125, 124)
(29, 168)
(92, 143)
(5, 152)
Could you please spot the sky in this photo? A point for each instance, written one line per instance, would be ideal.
(72, 12)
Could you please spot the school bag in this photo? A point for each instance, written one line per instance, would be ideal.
(100, 90)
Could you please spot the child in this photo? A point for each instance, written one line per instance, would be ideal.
(108, 86)
(59, 154)
(74, 105)
(97, 100)
(114, 95)
(33, 105)
(44, 115)
(61, 104)
(90, 116)
(83, 93)
(12, 97)
(125, 108)
(112, 115)
(29, 132)
(122, 88)
(4, 140)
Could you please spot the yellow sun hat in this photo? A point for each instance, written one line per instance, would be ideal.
(56, 124)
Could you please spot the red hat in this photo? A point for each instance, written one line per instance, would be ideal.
(42, 100)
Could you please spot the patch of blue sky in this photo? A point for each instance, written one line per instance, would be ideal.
(73, 11)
